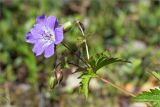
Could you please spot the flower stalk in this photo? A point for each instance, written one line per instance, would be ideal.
(81, 27)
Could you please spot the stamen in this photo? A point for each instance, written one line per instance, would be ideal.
(48, 35)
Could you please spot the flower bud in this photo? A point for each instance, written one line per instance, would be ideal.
(67, 26)
(52, 82)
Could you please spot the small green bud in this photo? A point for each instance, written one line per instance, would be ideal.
(52, 82)
(67, 25)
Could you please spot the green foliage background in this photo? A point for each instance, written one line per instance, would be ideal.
(127, 28)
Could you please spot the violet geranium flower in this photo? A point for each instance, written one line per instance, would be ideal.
(45, 35)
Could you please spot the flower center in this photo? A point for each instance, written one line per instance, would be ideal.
(48, 35)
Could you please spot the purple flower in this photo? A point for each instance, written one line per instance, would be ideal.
(45, 35)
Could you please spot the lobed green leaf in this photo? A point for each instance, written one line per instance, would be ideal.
(85, 79)
(101, 60)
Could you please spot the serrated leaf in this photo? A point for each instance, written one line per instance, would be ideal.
(107, 61)
(156, 75)
(149, 96)
(101, 60)
(84, 84)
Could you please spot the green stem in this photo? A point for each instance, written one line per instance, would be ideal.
(86, 49)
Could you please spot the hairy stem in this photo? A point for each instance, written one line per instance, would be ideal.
(119, 88)
(116, 86)
(85, 42)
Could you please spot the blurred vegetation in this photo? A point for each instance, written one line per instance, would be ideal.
(128, 29)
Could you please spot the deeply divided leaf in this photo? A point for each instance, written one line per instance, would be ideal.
(102, 60)
(96, 62)
(84, 84)
(107, 61)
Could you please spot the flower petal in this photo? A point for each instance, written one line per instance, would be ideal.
(41, 18)
(30, 38)
(52, 22)
(49, 51)
(39, 28)
(36, 33)
(39, 47)
(58, 35)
